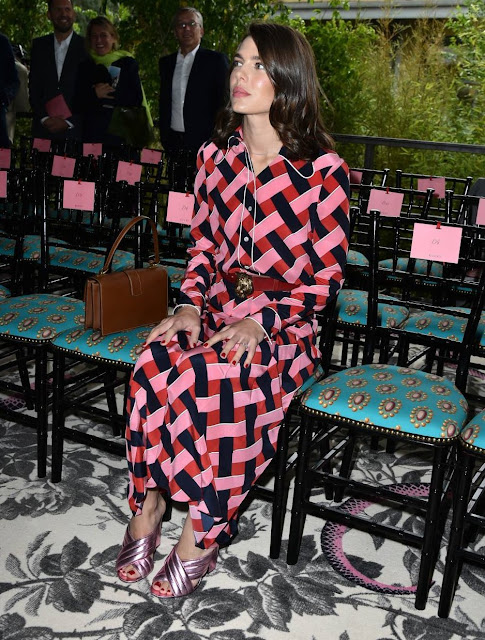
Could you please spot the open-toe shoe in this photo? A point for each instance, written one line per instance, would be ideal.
(180, 573)
(137, 553)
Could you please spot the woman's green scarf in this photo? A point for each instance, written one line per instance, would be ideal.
(108, 59)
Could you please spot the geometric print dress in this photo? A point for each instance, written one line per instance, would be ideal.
(199, 428)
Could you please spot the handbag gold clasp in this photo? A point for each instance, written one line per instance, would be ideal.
(244, 285)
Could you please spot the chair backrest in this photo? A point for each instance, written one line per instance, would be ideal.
(396, 234)
(362, 180)
(457, 186)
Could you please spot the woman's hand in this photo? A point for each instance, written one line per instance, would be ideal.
(104, 90)
(186, 319)
(241, 336)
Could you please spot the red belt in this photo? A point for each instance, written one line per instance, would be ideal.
(247, 283)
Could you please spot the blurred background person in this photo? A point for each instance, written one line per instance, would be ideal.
(192, 88)
(108, 79)
(54, 62)
(20, 103)
(9, 83)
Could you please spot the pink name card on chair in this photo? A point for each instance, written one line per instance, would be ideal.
(3, 184)
(438, 184)
(5, 158)
(388, 203)
(92, 149)
(355, 176)
(129, 172)
(150, 156)
(180, 207)
(41, 144)
(481, 211)
(436, 242)
(78, 195)
(63, 166)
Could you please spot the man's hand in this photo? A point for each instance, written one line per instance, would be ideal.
(104, 90)
(55, 124)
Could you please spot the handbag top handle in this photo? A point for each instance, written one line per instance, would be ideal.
(122, 234)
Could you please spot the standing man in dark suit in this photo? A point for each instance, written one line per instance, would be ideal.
(9, 83)
(53, 72)
(192, 86)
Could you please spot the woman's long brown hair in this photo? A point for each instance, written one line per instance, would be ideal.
(295, 113)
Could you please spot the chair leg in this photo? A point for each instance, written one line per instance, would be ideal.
(297, 511)
(464, 477)
(279, 491)
(41, 408)
(59, 364)
(21, 358)
(346, 465)
(431, 536)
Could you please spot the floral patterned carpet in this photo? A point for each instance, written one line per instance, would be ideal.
(58, 544)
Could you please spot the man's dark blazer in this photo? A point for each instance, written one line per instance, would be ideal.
(44, 85)
(205, 95)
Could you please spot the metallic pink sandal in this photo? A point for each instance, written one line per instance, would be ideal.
(180, 573)
(138, 553)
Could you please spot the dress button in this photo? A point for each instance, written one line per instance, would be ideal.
(246, 238)
(250, 208)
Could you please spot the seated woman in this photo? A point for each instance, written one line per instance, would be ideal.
(270, 233)
(108, 79)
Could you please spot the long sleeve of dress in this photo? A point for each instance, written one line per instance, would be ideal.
(300, 235)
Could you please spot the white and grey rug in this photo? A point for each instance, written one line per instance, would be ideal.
(58, 544)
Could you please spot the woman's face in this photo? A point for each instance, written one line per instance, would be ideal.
(102, 41)
(251, 90)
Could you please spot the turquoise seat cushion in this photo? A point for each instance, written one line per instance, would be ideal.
(176, 275)
(39, 317)
(391, 399)
(352, 309)
(7, 246)
(89, 261)
(123, 347)
(472, 435)
(444, 325)
(357, 259)
(32, 247)
(420, 266)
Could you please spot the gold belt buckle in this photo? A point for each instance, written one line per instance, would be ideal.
(244, 285)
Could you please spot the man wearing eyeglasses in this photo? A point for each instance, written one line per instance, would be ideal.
(192, 86)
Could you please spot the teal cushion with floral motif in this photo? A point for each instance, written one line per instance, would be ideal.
(472, 435)
(90, 262)
(39, 317)
(391, 399)
(176, 275)
(124, 346)
(87, 261)
(420, 266)
(7, 246)
(444, 325)
(357, 259)
(352, 309)
(32, 247)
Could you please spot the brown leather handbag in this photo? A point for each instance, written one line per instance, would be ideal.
(121, 300)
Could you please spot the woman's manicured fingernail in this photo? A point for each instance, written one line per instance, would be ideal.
(206, 344)
(246, 366)
(223, 355)
(233, 362)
